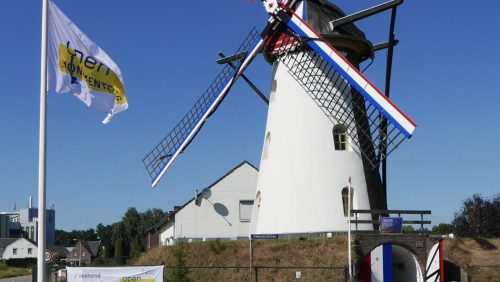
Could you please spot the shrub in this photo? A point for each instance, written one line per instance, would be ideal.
(180, 253)
(24, 262)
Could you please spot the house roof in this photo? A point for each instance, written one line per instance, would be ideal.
(61, 250)
(92, 246)
(4, 242)
(177, 209)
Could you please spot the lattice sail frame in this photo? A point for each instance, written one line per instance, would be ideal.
(184, 132)
(340, 90)
(343, 105)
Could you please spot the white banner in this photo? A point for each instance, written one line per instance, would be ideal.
(79, 66)
(115, 274)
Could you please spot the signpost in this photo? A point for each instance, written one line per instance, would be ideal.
(264, 236)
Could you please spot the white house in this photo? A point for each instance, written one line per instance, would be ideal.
(17, 248)
(220, 211)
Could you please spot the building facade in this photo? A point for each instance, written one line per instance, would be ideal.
(23, 223)
(220, 211)
(84, 252)
(17, 248)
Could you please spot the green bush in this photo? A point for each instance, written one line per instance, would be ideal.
(180, 253)
(24, 262)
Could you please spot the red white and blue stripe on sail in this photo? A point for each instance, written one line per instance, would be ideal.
(350, 73)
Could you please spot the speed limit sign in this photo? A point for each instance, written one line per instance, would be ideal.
(48, 256)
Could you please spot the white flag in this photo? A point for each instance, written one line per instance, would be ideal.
(77, 65)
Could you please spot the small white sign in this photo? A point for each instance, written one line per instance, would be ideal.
(298, 274)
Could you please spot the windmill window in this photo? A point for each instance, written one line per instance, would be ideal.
(258, 198)
(274, 85)
(345, 197)
(340, 137)
(267, 143)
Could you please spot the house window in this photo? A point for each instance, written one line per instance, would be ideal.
(32, 236)
(245, 210)
(345, 197)
(75, 254)
(83, 253)
(14, 251)
(30, 251)
(340, 137)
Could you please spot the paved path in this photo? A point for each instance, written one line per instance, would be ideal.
(17, 279)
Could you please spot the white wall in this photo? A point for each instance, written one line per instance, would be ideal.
(22, 246)
(218, 214)
(301, 174)
(167, 234)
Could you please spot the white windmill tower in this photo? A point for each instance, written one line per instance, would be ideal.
(312, 146)
(323, 122)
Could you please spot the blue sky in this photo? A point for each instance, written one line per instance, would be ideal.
(444, 76)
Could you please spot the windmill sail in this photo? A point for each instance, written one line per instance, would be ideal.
(329, 79)
(162, 156)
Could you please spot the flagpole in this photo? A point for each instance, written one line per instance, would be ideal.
(42, 149)
(349, 228)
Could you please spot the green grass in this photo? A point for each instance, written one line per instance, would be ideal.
(7, 272)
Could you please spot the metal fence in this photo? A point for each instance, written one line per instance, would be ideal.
(256, 273)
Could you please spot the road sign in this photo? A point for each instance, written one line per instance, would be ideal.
(48, 256)
(264, 236)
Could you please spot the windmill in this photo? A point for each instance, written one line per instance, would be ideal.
(326, 121)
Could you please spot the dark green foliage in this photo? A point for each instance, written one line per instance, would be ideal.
(408, 229)
(442, 228)
(64, 238)
(478, 217)
(119, 253)
(120, 240)
(180, 253)
(24, 262)
(105, 234)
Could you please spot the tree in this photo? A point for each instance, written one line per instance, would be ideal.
(131, 224)
(126, 238)
(105, 234)
(478, 217)
(120, 238)
(442, 228)
(64, 238)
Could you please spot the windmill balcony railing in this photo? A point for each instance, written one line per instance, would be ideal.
(387, 213)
